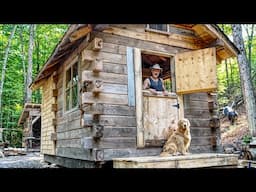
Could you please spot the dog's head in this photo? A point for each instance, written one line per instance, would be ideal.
(183, 125)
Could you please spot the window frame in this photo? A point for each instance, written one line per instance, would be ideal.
(67, 67)
(158, 31)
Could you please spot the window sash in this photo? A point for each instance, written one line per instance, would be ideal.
(71, 87)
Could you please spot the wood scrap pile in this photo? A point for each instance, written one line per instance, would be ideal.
(14, 151)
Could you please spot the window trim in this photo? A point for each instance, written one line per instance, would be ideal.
(66, 68)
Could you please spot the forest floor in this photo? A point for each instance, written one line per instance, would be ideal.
(231, 134)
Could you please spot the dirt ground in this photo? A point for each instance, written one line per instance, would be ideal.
(30, 160)
(231, 134)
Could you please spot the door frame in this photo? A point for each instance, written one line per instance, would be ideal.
(138, 90)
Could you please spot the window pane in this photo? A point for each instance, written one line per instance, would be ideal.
(67, 99)
(74, 96)
(160, 27)
(75, 73)
(68, 78)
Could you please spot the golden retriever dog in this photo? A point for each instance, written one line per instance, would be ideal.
(179, 140)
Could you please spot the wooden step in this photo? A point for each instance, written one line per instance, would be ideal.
(185, 161)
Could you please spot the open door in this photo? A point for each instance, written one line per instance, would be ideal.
(196, 71)
(154, 113)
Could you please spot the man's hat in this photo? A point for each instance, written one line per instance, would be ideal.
(156, 66)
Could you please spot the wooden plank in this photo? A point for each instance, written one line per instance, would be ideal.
(108, 109)
(196, 104)
(117, 142)
(114, 88)
(74, 153)
(117, 121)
(130, 70)
(138, 97)
(72, 143)
(69, 162)
(172, 39)
(200, 132)
(87, 142)
(201, 141)
(105, 57)
(196, 71)
(188, 161)
(80, 33)
(114, 48)
(158, 114)
(105, 77)
(197, 113)
(141, 44)
(105, 98)
(74, 134)
(119, 131)
(199, 122)
(109, 154)
(114, 68)
(66, 125)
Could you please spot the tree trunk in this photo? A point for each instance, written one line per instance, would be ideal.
(30, 63)
(246, 82)
(23, 65)
(4, 69)
(249, 31)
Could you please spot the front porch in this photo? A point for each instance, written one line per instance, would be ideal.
(188, 161)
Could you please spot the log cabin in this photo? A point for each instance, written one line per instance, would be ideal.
(94, 107)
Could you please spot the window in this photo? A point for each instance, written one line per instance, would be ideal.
(71, 87)
(158, 27)
(149, 60)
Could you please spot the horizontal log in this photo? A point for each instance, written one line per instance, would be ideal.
(74, 134)
(145, 45)
(88, 97)
(120, 132)
(117, 121)
(108, 109)
(105, 77)
(114, 68)
(90, 55)
(197, 141)
(117, 142)
(74, 153)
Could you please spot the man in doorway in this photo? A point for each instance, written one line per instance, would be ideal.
(154, 83)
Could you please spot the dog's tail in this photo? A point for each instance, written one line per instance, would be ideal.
(170, 148)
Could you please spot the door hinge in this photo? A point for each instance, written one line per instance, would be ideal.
(177, 105)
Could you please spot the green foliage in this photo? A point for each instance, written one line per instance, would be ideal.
(13, 137)
(247, 139)
(229, 86)
(46, 38)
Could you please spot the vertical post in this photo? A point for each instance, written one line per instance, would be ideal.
(138, 97)
(130, 73)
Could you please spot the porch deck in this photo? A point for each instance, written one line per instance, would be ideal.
(189, 161)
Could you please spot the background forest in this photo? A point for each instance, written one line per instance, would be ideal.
(25, 48)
